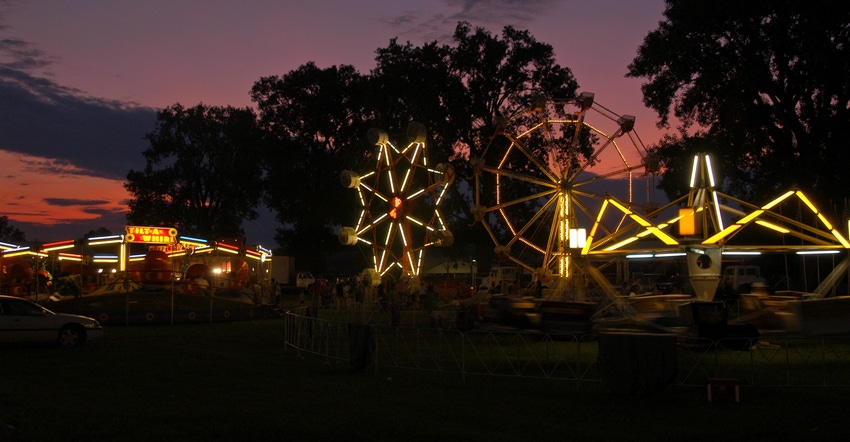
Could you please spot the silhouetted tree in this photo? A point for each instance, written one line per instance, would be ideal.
(760, 85)
(202, 173)
(317, 119)
(10, 233)
(100, 231)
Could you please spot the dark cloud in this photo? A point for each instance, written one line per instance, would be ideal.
(17, 54)
(500, 11)
(485, 13)
(40, 118)
(59, 229)
(74, 202)
(22, 55)
(406, 19)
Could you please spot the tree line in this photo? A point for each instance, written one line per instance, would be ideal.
(762, 86)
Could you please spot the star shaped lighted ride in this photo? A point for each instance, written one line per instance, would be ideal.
(400, 199)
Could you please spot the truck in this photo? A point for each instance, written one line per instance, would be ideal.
(739, 279)
(500, 279)
(304, 279)
(282, 269)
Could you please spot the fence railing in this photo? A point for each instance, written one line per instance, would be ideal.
(766, 361)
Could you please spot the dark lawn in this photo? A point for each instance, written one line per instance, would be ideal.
(236, 381)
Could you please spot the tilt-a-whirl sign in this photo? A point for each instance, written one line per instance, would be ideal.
(150, 235)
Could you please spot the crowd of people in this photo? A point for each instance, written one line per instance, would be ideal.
(393, 296)
(340, 295)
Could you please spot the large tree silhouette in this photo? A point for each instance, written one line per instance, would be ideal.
(202, 174)
(759, 84)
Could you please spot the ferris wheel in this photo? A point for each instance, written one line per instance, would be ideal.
(541, 181)
(399, 203)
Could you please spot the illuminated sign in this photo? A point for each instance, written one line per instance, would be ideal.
(173, 248)
(151, 235)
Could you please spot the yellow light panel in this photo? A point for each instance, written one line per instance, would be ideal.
(806, 201)
(772, 226)
(622, 243)
(750, 217)
(623, 208)
(687, 222)
(722, 234)
(778, 200)
(824, 221)
(602, 210)
(665, 238)
(841, 239)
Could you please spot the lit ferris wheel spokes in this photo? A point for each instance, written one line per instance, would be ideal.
(399, 200)
(552, 170)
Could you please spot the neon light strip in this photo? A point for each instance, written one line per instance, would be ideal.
(710, 171)
(717, 210)
(694, 171)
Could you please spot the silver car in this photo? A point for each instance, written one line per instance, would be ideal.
(25, 321)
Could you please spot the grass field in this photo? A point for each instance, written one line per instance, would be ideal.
(236, 381)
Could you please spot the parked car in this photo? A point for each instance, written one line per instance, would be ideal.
(25, 321)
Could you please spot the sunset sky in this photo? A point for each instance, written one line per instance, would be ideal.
(80, 81)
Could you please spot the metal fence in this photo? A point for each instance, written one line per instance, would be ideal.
(766, 361)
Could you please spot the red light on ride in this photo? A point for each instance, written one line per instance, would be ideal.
(396, 204)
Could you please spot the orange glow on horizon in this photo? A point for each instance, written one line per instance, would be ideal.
(29, 183)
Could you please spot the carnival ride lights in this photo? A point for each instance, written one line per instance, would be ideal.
(686, 218)
(701, 226)
(7, 246)
(227, 248)
(549, 180)
(399, 202)
(105, 258)
(704, 237)
(19, 251)
(764, 211)
(58, 245)
(101, 240)
(71, 256)
(188, 245)
(191, 241)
